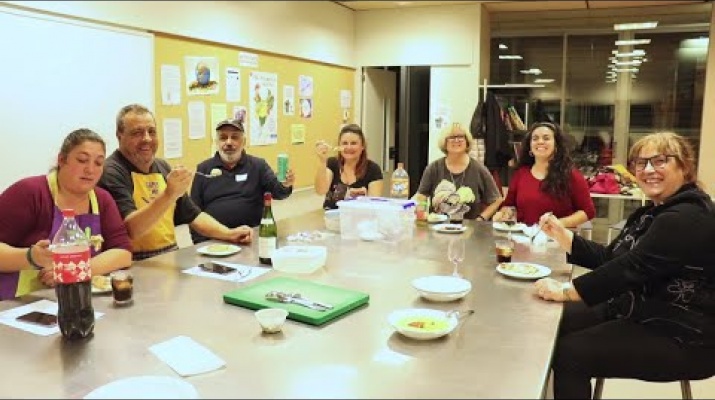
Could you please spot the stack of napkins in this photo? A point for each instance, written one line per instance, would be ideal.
(186, 356)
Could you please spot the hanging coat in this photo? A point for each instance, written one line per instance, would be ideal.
(487, 123)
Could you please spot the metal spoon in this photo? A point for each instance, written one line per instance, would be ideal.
(206, 175)
(540, 227)
(285, 298)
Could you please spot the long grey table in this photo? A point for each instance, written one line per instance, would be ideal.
(502, 351)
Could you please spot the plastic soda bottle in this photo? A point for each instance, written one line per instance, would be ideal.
(73, 278)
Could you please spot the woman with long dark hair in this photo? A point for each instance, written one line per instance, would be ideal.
(351, 173)
(547, 181)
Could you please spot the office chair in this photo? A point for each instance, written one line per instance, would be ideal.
(684, 389)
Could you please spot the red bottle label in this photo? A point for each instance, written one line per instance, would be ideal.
(71, 267)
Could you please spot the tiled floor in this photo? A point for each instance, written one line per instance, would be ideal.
(306, 200)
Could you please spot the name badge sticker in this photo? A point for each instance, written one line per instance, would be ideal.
(241, 177)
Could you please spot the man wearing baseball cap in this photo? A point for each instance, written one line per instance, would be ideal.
(234, 196)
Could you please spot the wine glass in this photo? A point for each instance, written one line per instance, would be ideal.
(509, 218)
(455, 254)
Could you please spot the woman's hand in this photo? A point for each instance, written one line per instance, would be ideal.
(321, 150)
(41, 254)
(356, 192)
(550, 289)
(504, 214)
(47, 277)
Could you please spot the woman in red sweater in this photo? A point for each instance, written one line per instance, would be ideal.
(547, 181)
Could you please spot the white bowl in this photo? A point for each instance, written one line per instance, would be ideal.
(400, 320)
(271, 319)
(442, 288)
(332, 220)
(302, 259)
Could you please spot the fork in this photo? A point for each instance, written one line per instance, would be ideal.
(540, 227)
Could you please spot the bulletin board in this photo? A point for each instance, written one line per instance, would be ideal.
(331, 102)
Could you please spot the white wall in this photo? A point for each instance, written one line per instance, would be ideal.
(706, 166)
(445, 37)
(314, 30)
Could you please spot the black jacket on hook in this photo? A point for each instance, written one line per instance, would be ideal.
(487, 123)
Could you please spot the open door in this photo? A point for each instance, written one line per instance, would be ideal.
(379, 97)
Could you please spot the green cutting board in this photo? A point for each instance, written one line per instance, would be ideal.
(342, 300)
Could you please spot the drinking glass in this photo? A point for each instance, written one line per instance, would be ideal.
(455, 254)
(509, 218)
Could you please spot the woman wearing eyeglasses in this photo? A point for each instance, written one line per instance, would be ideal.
(647, 310)
(547, 181)
(460, 177)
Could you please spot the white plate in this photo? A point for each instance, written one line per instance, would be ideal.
(145, 387)
(218, 249)
(105, 287)
(500, 226)
(523, 270)
(449, 228)
(397, 320)
(442, 288)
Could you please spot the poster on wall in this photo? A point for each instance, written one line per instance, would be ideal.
(297, 133)
(239, 113)
(202, 75)
(288, 100)
(173, 146)
(306, 108)
(263, 114)
(233, 84)
(305, 86)
(345, 99)
(441, 116)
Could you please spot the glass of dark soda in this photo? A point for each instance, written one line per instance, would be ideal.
(122, 287)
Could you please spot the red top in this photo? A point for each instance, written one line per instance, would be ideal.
(531, 202)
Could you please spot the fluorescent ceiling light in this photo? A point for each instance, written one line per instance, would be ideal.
(531, 71)
(626, 70)
(634, 62)
(635, 25)
(632, 42)
(634, 53)
(502, 46)
(510, 57)
(543, 80)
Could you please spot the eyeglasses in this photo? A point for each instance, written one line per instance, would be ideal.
(457, 138)
(657, 162)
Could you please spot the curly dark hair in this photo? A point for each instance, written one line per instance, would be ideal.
(558, 177)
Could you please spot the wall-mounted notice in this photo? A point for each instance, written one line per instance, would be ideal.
(246, 59)
(197, 120)
(233, 84)
(305, 86)
(170, 85)
(288, 100)
(297, 133)
(173, 146)
(345, 98)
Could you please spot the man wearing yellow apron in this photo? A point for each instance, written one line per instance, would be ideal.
(151, 196)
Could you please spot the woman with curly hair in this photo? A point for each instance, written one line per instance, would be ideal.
(547, 181)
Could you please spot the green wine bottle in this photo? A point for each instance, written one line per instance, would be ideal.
(267, 233)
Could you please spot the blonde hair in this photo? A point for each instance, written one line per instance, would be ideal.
(455, 128)
(671, 144)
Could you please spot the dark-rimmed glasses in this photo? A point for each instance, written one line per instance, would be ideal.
(456, 138)
(657, 162)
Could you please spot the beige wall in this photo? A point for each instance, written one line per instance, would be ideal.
(314, 30)
(706, 168)
(447, 38)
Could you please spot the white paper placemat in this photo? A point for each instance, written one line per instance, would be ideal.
(186, 356)
(8, 317)
(254, 272)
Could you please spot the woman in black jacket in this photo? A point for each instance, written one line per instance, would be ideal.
(647, 308)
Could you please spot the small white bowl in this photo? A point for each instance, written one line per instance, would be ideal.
(271, 319)
(442, 288)
(400, 320)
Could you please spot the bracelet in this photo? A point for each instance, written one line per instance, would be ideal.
(32, 262)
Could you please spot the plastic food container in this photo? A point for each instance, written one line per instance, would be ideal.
(376, 219)
(332, 220)
(299, 259)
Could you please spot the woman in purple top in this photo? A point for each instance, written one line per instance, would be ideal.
(30, 215)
